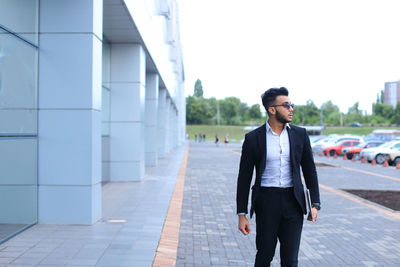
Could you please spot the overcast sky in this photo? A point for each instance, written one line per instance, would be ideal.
(339, 50)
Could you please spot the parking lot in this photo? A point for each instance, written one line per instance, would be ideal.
(374, 148)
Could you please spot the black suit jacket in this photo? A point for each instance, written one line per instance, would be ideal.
(254, 155)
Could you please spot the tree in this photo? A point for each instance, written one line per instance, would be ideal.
(198, 89)
(383, 110)
(229, 109)
(396, 114)
(198, 110)
(307, 114)
(328, 108)
(243, 108)
(333, 118)
(331, 113)
(354, 109)
(254, 112)
(354, 114)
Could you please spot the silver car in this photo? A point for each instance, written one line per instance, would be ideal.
(380, 153)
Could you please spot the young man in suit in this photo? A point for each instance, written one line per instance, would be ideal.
(277, 150)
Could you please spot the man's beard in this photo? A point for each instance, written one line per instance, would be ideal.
(280, 118)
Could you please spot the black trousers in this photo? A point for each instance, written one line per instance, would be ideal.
(278, 216)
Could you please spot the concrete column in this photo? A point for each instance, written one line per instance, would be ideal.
(175, 132)
(128, 80)
(168, 125)
(69, 154)
(151, 113)
(182, 116)
(162, 103)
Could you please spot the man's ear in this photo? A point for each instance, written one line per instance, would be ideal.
(271, 110)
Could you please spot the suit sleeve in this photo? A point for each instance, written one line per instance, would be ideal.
(309, 170)
(244, 178)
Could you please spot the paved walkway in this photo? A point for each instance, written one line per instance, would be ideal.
(350, 231)
(128, 235)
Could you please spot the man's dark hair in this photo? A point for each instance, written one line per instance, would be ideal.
(269, 96)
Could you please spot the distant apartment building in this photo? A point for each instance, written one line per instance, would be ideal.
(392, 93)
(91, 91)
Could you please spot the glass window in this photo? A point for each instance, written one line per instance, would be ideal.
(346, 144)
(21, 18)
(18, 183)
(18, 128)
(18, 86)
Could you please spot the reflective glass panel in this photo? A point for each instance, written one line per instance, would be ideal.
(21, 18)
(18, 86)
(18, 134)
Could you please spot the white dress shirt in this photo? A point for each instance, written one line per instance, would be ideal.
(277, 171)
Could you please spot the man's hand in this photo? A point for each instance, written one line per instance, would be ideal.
(244, 225)
(315, 215)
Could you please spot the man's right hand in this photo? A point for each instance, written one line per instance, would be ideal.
(244, 225)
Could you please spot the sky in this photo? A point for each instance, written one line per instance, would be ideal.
(338, 50)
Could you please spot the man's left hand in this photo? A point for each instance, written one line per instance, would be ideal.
(315, 215)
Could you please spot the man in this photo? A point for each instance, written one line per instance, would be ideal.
(277, 150)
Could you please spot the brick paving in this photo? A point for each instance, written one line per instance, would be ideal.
(349, 231)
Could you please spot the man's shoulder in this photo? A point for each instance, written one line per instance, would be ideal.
(256, 131)
(297, 128)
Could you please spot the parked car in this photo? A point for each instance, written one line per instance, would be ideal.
(355, 124)
(337, 148)
(394, 157)
(332, 140)
(355, 151)
(380, 153)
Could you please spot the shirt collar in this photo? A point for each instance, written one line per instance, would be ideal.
(287, 125)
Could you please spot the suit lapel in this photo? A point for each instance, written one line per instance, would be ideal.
(291, 144)
(263, 148)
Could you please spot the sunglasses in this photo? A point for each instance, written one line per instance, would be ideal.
(286, 105)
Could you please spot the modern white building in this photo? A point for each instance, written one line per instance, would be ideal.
(91, 91)
(392, 93)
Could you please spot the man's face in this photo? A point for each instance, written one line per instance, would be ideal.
(283, 114)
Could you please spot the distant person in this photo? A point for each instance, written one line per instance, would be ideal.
(277, 150)
(226, 140)
(200, 137)
(195, 137)
(217, 141)
(204, 137)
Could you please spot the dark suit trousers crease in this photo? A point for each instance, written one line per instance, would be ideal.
(278, 216)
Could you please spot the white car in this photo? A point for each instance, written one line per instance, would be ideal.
(379, 153)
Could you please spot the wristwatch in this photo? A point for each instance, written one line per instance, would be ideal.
(316, 205)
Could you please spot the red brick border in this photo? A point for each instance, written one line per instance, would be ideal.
(167, 250)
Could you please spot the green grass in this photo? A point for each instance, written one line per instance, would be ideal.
(236, 133)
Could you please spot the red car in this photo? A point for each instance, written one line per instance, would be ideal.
(337, 148)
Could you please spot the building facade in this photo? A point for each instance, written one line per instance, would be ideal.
(392, 93)
(91, 91)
